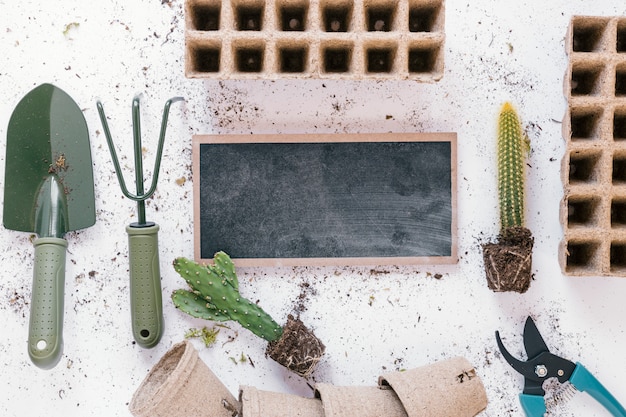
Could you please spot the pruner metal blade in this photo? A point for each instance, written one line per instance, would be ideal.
(533, 341)
(541, 364)
(523, 367)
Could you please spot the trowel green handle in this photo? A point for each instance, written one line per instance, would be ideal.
(145, 285)
(45, 338)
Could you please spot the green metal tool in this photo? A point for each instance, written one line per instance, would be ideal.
(143, 245)
(48, 191)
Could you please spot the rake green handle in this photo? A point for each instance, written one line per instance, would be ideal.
(45, 337)
(145, 285)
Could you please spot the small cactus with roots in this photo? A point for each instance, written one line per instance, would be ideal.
(508, 262)
(215, 296)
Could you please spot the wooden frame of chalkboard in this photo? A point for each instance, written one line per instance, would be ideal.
(326, 199)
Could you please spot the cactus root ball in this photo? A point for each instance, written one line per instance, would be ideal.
(298, 349)
(508, 262)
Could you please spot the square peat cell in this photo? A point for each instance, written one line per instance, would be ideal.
(293, 19)
(380, 19)
(423, 19)
(206, 18)
(581, 212)
(249, 60)
(618, 256)
(249, 18)
(619, 169)
(337, 19)
(337, 59)
(586, 81)
(584, 124)
(581, 255)
(621, 37)
(618, 213)
(619, 125)
(293, 60)
(587, 37)
(422, 60)
(582, 168)
(206, 59)
(379, 60)
(620, 82)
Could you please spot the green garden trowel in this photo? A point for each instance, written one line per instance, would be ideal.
(48, 191)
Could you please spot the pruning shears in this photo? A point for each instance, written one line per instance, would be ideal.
(542, 365)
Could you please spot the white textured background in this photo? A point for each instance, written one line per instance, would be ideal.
(372, 320)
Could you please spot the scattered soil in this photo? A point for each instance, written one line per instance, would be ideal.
(306, 290)
(298, 349)
(508, 262)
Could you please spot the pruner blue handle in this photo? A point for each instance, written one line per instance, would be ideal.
(584, 381)
(533, 405)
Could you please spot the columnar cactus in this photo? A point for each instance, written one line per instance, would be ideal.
(508, 261)
(510, 168)
(215, 296)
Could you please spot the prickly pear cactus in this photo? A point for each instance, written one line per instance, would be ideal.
(511, 145)
(215, 296)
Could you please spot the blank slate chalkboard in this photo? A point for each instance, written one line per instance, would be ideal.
(333, 199)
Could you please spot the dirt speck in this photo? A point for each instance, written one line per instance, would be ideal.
(18, 300)
(306, 291)
(466, 376)
(379, 272)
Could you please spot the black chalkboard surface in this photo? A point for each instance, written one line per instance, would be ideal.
(330, 199)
